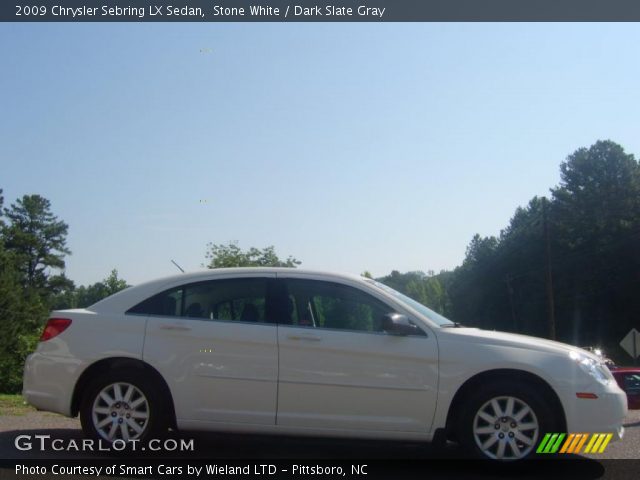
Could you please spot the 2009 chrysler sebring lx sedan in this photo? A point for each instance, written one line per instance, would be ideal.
(290, 351)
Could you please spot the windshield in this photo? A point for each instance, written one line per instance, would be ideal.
(410, 302)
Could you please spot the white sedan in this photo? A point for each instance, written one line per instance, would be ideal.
(272, 350)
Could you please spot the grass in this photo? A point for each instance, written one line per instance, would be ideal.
(12, 405)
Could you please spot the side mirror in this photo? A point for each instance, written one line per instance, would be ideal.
(398, 324)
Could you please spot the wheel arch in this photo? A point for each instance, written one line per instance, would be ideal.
(501, 375)
(130, 364)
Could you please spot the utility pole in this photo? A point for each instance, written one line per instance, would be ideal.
(549, 277)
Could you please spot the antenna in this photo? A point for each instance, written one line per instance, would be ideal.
(177, 266)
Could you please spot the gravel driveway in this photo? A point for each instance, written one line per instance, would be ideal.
(32, 420)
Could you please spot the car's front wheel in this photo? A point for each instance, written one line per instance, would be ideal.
(122, 407)
(505, 422)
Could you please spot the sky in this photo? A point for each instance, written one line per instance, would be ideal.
(351, 147)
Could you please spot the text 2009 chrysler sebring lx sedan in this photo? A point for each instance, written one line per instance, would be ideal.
(297, 352)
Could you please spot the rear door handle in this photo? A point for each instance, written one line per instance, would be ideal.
(175, 327)
(306, 338)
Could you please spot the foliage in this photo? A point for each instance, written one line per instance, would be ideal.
(37, 239)
(428, 289)
(596, 221)
(82, 296)
(22, 312)
(593, 222)
(32, 241)
(231, 255)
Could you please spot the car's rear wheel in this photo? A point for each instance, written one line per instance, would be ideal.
(123, 407)
(505, 422)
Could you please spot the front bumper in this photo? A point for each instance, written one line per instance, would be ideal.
(604, 414)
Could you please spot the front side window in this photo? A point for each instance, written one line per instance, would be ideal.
(241, 300)
(423, 309)
(320, 304)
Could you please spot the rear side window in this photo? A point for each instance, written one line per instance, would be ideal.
(241, 300)
(167, 303)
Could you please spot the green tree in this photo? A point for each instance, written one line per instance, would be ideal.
(113, 283)
(599, 190)
(477, 291)
(36, 238)
(231, 255)
(85, 296)
(593, 220)
(522, 269)
(21, 314)
(427, 289)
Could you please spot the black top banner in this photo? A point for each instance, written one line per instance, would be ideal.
(321, 11)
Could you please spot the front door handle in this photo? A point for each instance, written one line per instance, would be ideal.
(175, 327)
(306, 338)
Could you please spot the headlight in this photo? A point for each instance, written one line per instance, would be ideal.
(597, 370)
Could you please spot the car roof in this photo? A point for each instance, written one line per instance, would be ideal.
(625, 370)
(131, 296)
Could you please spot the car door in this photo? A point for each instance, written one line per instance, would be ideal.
(340, 370)
(216, 348)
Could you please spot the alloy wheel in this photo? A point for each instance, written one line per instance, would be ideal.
(120, 412)
(506, 428)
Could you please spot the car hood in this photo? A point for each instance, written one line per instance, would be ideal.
(513, 340)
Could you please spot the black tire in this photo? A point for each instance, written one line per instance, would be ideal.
(482, 438)
(141, 417)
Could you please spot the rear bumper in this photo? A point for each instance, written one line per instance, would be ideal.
(49, 382)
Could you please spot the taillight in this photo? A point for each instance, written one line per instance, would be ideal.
(54, 327)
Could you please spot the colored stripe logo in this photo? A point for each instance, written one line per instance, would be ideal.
(574, 443)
